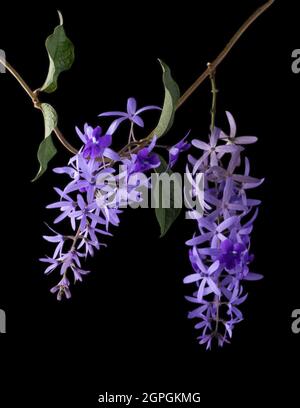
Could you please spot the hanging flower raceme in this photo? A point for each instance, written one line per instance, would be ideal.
(86, 203)
(220, 249)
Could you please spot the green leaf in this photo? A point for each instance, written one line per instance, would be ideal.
(47, 149)
(172, 95)
(167, 216)
(61, 56)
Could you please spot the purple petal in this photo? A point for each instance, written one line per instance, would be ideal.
(61, 217)
(213, 159)
(226, 246)
(199, 239)
(200, 145)
(213, 267)
(235, 158)
(138, 120)
(227, 190)
(145, 108)
(81, 202)
(59, 204)
(232, 125)
(253, 276)
(230, 148)
(203, 222)
(152, 144)
(115, 124)
(200, 161)
(106, 140)
(110, 154)
(81, 135)
(227, 223)
(214, 137)
(245, 139)
(213, 287)
(113, 113)
(52, 239)
(201, 290)
(131, 106)
(195, 277)
(245, 179)
(64, 170)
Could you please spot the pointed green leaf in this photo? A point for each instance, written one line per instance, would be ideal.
(47, 149)
(61, 56)
(166, 216)
(172, 95)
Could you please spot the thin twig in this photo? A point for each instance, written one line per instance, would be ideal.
(213, 66)
(182, 99)
(224, 53)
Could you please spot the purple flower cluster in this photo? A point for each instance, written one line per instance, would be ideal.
(90, 215)
(220, 250)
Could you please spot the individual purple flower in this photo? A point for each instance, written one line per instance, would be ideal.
(96, 143)
(67, 205)
(53, 264)
(231, 253)
(59, 240)
(219, 251)
(85, 213)
(145, 159)
(62, 288)
(88, 180)
(232, 138)
(132, 114)
(205, 278)
(211, 150)
(178, 148)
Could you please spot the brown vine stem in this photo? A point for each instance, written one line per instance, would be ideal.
(206, 74)
(211, 68)
(36, 103)
(224, 53)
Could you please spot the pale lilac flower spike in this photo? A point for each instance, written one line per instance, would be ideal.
(132, 114)
(220, 248)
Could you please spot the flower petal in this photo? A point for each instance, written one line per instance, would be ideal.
(245, 140)
(138, 121)
(195, 277)
(131, 106)
(200, 145)
(232, 124)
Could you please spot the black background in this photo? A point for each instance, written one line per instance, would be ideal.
(125, 328)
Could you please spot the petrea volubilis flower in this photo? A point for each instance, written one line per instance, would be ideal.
(96, 143)
(145, 159)
(178, 148)
(220, 249)
(132, 114)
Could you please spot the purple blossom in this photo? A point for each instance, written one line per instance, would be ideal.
(62, 288)
(219, 252)
(231, 253)
(145, 159)
(178, 148)
(132, 114)
(211, 149)
(232, 138)
(96, 143)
